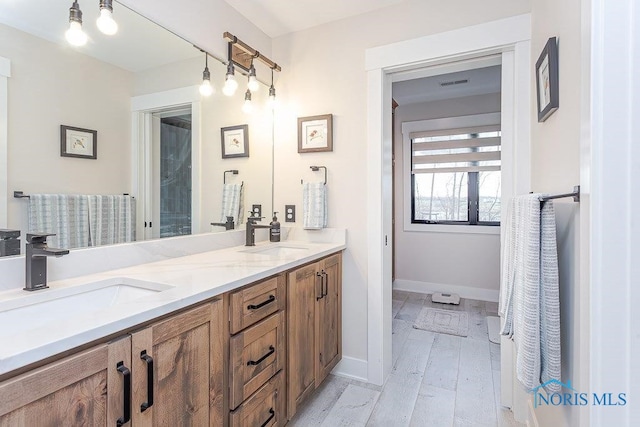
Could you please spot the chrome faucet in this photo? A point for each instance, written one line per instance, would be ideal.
(37, 252)
(251, 229)
(227, 225)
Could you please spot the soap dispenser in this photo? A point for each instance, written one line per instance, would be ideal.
(274, 231)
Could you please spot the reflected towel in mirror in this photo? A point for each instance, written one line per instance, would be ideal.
(65, 215)
(232, 202)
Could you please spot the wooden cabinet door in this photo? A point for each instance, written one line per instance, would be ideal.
(186, 373)
(302, 290)
(84, 389)
(329, 317)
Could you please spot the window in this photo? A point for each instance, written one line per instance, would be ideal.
(455, 176)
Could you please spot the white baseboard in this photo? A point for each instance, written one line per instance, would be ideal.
(350, 367)
(469, 292)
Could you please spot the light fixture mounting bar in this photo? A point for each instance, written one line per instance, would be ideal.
(239, 44)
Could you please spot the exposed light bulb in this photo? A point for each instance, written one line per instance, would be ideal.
(272, 97)
(247, 107)
(230, 83)
(205, 88)
(106, 23)
(253, 83)
(74, 35)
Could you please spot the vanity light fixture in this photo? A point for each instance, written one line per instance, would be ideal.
(230, 83)
(105, 22)
(253, 83)
(205, 88)
(247, 107)
(272, 93)
(74, 35)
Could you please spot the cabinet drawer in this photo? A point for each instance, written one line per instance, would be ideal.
(256, 355)
(265, 408)
(252, 304)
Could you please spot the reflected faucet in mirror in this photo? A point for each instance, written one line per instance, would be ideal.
(37, 252)
(227, 225)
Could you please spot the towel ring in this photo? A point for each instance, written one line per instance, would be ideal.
(224, 175)
(317, 168)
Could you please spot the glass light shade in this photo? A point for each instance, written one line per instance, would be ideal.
(106, 24)
(272, 97)
(74, 35)
(205, 88)
(230, 85)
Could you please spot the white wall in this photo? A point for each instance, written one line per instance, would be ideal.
(323, 72)
(433, 260)
(555, 168)
(54, 85)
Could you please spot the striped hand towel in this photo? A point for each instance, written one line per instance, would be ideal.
(314, 205)
(232, 202)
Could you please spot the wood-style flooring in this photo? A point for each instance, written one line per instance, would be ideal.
(437, 379)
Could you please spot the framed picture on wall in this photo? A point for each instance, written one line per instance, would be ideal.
(78, 142)
(547, 80)
(235, 141)
(315, 133)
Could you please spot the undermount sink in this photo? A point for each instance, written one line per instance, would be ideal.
(283, 251)
(45, 306)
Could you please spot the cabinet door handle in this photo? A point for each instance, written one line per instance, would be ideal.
(262, 304)
(321, 286)
(325, 281)
(272, 414)
(126, 375)
(149, 361)
(259, 361)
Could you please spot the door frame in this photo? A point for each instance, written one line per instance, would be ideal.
(142, 109)
(509, 37)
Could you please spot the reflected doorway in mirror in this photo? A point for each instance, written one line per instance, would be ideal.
(78, 142)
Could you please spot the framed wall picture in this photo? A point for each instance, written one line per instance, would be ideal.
(547, 80)
(78, 142)
(315, 133)
(235, 141)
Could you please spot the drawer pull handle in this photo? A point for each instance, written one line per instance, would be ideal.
(259, 361)
(272, 414)
(262, 304)
(149, 361)
(325, 281)
(126, 375)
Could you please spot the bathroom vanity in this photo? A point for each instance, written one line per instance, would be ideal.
(238, 336)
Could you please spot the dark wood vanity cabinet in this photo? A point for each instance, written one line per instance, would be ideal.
(314, 319)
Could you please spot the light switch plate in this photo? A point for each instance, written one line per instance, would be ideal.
(289, 213)
(257, 210)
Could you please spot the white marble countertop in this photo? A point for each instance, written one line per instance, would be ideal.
(193, 278)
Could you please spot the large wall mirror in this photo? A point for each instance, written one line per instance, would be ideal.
(158, 139)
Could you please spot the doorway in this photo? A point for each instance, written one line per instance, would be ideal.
(508, 38)
(171, 173)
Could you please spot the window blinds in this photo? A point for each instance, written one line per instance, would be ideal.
(473, 149)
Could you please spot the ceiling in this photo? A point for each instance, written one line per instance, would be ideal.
(279, 17)
(139, 44)
(480, 81)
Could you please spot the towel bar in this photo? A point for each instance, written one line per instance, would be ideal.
(21, 195)
(575, 194)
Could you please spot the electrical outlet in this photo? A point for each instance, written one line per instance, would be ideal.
(290, 213)
(257, 210)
